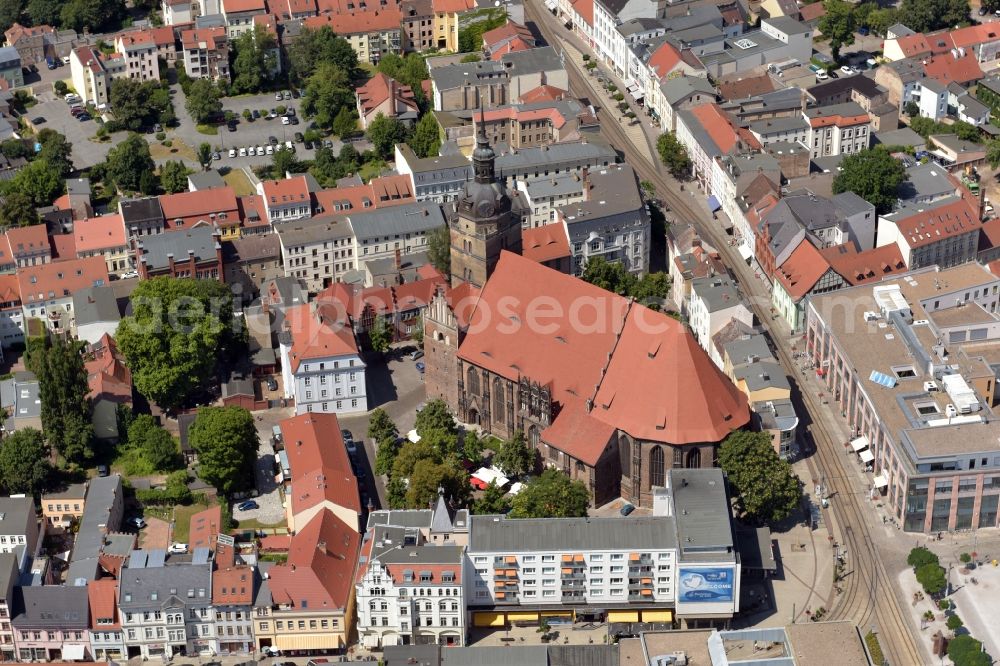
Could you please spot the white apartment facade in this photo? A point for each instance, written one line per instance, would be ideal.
(140, 51)
(715, 302)
(317, 251)
(838, 129)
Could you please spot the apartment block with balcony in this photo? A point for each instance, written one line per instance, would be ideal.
(140, 51)
(910, 362)
(206, 53)
(678, 564)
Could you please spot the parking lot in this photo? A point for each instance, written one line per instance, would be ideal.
(86, 153)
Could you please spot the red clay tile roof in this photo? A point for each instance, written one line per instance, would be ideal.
(318, 334)
(506, 32)
(28, 239)
(818, 118)
(10, 290)
(544, 93)
(317, 456)
(99, 233)
(194, 206)
(746, 87)
(379, 89)
(59, 280)
(579, 434)
(937, 224)
(718, 126)
(452, 6)
(974, 35)
(374, 301)
(650, 377)
(990, 234)
(276, 543)
(462, 301)
(107, 375)
(863, 267)
(204, 527)
(63, 247)
(212, 38)
(545, 243)
(295, 7)
(103, 597)
(321, 563)
(232, 586)
(234, 6)
(912, 45)
(811, 11)
(946, 68)
(585, 10)
(286, 191)
(802, 270)
(664, 59)
(398, 571)
(351, 23)
(510, 46)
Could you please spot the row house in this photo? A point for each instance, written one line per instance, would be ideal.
(509, 37)
(652, 569)
(18, 524)
(233, 586)
(707, 132)
(371, 34)
(286, 200)
(526, 125)
(29, 246)
(417, 25)
(862, 90)
(9, 573)
(715, 301)
(11, 312)
(140, 51)
(63, 508)
(193, 253)
(107, 640)
(52, 623)
(944, 235)
(166, 607)
(36, 43)
(47, 290)
(317, 251)
(210, 208)
(183, 12)
(838, 129)
(321, 364)
(677, 93)
(805, 273)
(447, 14)
(142, 216)
(206, 53)
(981, 42)
(240, 14)
(545, 196)
(104, 237)
(746, 184)
(410, 587)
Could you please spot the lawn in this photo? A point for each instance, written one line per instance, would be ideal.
(181, 515)
(177, 149)
(371, 169)
(210, 130)
(237, 179)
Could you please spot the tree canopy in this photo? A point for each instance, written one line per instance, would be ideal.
(920, 556)
(650, 290)
(226, 441)
(138, 104)
(551, 495)
(930, 15)
(410, 70)
(18, 210)
(127, 163)
(327, 91)
(426, 138)
(384, 133)
(203, 100)
(435, 416)
(66, 410)
(838, 25)
(515, 457)
(493, 500)
(964, 650)
(314, 46)
(768, 489)
(254, 60)
(380, 335)
(439, 249)
(173, 176)
(874, 175)
(674, 155)
(932, 577)
(177, 330)
(153, 443)
(24, 462)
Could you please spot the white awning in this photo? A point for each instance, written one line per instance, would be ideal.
(859, 443)
(745, 250)
(551, 4)
(72, 652)
(867, 456)
(880, 481)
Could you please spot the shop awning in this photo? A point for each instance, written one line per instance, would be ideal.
(623, 616)
(713, 203)
(880, 481)
(867, 456)
(522, 617)
(72, 652)
(658, 616)
(859, 443)
(745, 250)
(324, 642)
(551, 4)
(488, 620)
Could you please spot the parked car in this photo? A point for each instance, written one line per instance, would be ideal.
(157, 127)
(416, 355)
(848, 70)
(293, 120)
(269, 149)
(102, 470)
(277, 96)
(290, 146)
(232, 126)
(863, 30)
(295, 93)
(822, 76)
(177, 548)
(285, 120)
(83, 116)
(288, 95)
(308, 145)
(137, 523)
(243, 151)
(272, 140)
(249, 505)
(421, 367)
(298, 137)
(627, 509)
(130, 274)
(255, 113)
(272, 384)
(232, 152)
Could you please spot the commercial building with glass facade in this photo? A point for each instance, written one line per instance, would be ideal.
(912, 363)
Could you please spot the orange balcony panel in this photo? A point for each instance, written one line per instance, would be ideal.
(567, 558)
(634, 557)
(578, 558)
(646, 593)
(567, 570)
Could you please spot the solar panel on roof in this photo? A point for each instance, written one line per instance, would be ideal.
(882, 379)
(200, 556)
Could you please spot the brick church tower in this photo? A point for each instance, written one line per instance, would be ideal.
(441, 350)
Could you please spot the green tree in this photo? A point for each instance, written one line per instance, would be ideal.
(920, 556)
(838, 25)
(924, 126)
(609, 275)
(254, 60)
(380, 335)
(872, 174)
(651, 290)
(312, 47)
(173, 176)
(345, 124)
(966, 132)
(470, 37)
(439, 249)
(444, 443)
(24, 462)
(551, 495)
(515, 457)
(56, 151)
(410, 70)
(417, 332)
(385, 454)
(879, 20)
(931, 576)
(10, 13)
(911, 109)
(965, 650)
(14, 148)
(284, 162)
(138, 104)
(435, 416)
(954, 622)
(381, 426)
(993, 153)
(226, 441)
(153, 443)
(930, 15)
(38, 181)
(674, 155)
(203, 100)
(327, 91)
(177, 330)
(18, 210)
(494, 500)
(127, 162)
(205, 154)
(409, 455)
(472, 446)
(395, 493)
(426, 139)
(96, 15)
(428, 476)
(385, 133)
(66, 410)
(768, 489)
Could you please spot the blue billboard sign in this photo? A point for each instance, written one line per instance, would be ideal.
(706, 584)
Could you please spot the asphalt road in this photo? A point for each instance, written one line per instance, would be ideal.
(883, 611)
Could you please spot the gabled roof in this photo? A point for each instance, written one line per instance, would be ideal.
(321, 563)
(387, 19)
(863, 267)
(204, 527)
(93, 234)
(233, 586)
(508, 31)
(107, 375)
(234, 6)
(937, 224)
(379, 89)
(28, 240)
(318, 331)
(664, 59)
(317, 456)
(543, 93)
(287, 191)
(103, 597)
(947, 68)
(579, 433)
(545, 243)
(59, 280)
(802, 270)
(201, 205)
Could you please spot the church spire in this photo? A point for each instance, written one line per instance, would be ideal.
(483, 157)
